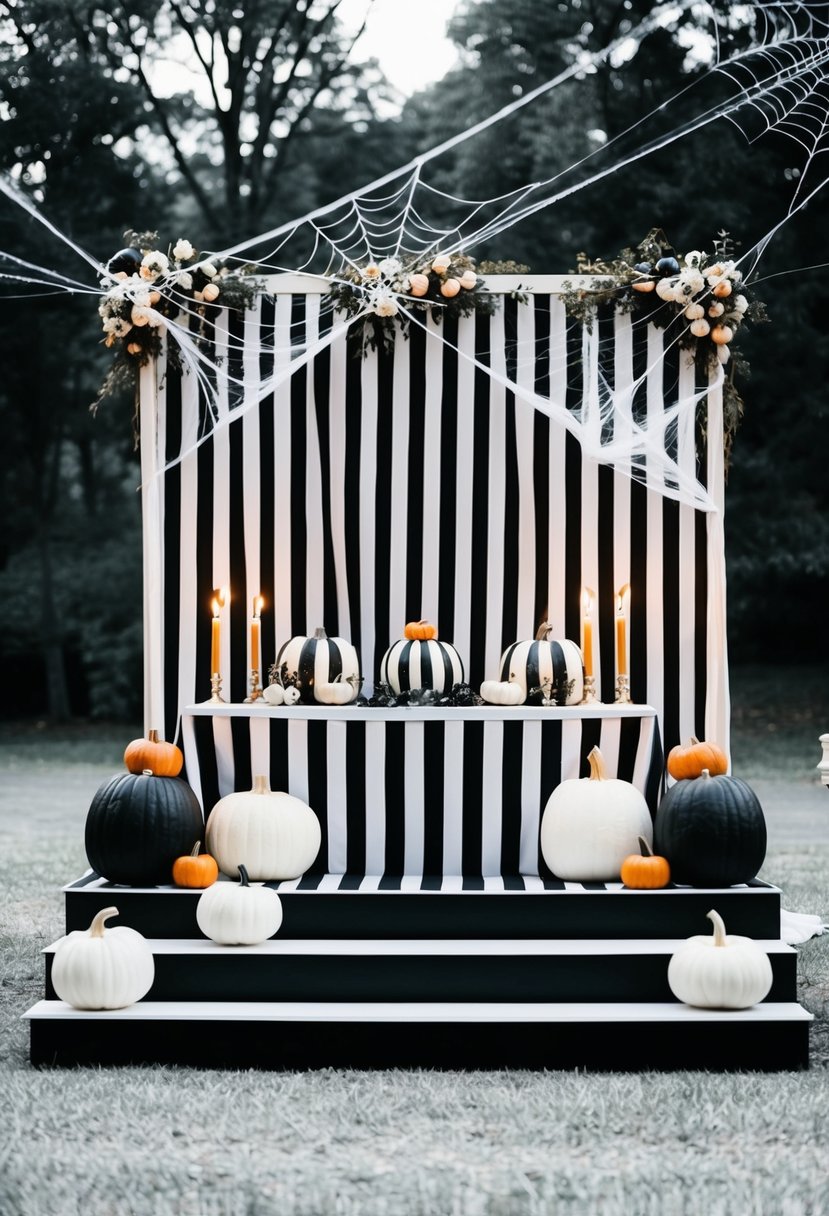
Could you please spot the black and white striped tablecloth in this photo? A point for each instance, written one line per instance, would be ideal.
(420, 792)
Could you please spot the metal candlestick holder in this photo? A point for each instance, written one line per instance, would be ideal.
(589, 697)
(623, 690)
(216, 697)
(255, 688)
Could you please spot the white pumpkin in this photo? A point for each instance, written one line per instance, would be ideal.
(319, 660)
(338, 692)
(590, 826)
(502, 692)
(237, 914)
(99, 968)
(291, 695)
(720, 972)
(274, 694)
(274, 834)
(546, 669)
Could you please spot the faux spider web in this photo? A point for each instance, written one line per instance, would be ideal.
(776, 81)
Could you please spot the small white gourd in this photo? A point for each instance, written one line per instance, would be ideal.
(337, 692)
(591, 825)
(275, 835)
(502, 692)
(237, 914)
(274, 694)
(721, 971)
(99, 968)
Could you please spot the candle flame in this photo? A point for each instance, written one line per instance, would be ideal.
(620, 597)
(216, 606)
(588, 596)
(258, 605)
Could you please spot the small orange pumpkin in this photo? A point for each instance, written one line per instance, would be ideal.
(162, 759)
(420, 631)
(688, 762)
(645, 871)
(197, 870)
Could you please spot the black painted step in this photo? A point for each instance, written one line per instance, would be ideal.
(346, 907)
(627, 1037)
(472, 971)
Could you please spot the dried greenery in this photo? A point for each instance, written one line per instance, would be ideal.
(144, 287)
(444, 286)
(701, 301)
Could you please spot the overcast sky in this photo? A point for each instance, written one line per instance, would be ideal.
(407, 36)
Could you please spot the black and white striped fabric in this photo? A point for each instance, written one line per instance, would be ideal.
(420, 791)
(408, 485)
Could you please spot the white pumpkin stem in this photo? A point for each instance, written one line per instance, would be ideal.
(544, 631)
(693, 741)
(244, 880)
(719, 927)
(644, 848)
(152, 736)
(598, 768)
(705, 773)
(146, 772)
(261, 785)
(196, 849)
(320, 633)
(96, 929)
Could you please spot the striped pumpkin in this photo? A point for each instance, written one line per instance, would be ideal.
(409, 664)
(543, 666)
(319, 660)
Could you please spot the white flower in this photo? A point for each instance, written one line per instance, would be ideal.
(390, 266)
(693, 257)
(142, 298)
(209, 269)
(156, 262)
(184, 280)
(371, 272)
(441, 263)
(154, 319)
(183, 251)
(692, 281)
(384, 305)
(740, 304)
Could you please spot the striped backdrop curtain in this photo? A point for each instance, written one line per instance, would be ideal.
(366, 492)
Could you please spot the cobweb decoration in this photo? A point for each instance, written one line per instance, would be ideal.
(776, 80)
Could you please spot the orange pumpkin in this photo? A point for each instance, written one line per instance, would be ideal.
(688, 762)
(153, 754)
(420, 631)
(645, 871)
(197, 870)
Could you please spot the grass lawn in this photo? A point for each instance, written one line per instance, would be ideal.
(178, 1142)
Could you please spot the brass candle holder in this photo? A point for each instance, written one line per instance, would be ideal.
(623, 690)
(589, 697)
(216, 697)
(255, 687)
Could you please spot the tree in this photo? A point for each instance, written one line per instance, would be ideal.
(710, 179)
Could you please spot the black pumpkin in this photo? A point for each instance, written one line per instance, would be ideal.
(712, 831)
(138, 825)
(125, 261)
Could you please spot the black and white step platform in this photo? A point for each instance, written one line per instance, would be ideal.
(373, 972)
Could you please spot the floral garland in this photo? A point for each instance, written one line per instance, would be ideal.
(144, 287)
(701, 298)
(443, 284)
